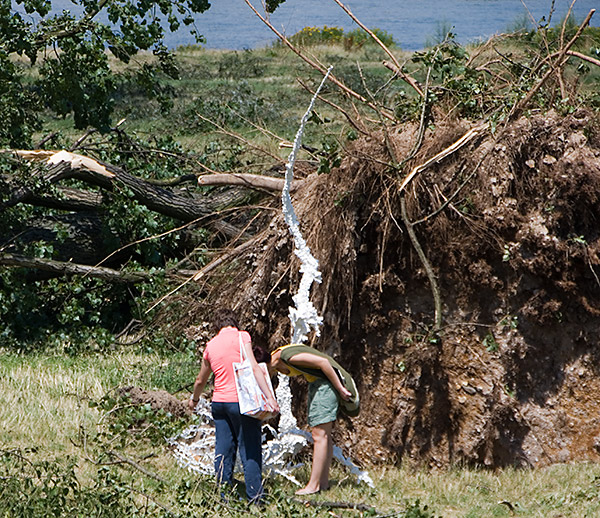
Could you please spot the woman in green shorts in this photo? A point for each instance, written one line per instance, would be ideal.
(330, 388)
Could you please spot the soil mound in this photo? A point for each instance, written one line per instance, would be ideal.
(158, 400)
(508, 226)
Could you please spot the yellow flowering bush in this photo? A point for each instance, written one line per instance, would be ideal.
(335, 35)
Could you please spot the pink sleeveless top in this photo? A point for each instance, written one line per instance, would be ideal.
(220, 352)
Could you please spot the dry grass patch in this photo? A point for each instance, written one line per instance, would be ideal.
(44, 400)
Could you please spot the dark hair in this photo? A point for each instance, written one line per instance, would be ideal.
(261, 354)
(224, 317)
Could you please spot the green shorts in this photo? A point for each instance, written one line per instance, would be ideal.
(322, 402)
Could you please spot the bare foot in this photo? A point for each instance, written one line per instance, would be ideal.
(307, 491)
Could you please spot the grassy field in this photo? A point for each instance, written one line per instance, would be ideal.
(44, 405)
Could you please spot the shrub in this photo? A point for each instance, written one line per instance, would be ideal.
(355, 39)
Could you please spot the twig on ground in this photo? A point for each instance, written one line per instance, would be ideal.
(135, 465)
(339, 505)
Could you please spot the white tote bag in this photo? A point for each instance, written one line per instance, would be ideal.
(252, 401)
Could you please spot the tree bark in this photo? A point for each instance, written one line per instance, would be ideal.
(253, 181)
(66, 268)
(75, 200)
(184, 207)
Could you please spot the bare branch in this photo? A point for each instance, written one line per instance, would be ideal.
(579, 55)
(560, 61)
(398, 68)
(253, 181)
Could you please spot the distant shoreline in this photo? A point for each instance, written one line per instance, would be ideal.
(231, 25)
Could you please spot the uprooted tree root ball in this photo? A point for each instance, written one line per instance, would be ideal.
(511, 376)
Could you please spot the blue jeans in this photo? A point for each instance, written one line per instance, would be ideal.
(232, 431)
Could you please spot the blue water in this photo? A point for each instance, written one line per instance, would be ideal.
(230, 24)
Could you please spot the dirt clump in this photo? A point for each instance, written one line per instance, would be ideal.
(158, 400)
(509, 226)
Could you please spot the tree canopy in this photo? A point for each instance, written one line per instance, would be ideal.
(75, 76)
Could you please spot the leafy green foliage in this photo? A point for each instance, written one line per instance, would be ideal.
(455, 82)
(34, 489)
(18, 106)
(490, 343)
(330, 156)
(273, 4)
(128, 422)
(75, 77)
(54, 314)
(83, 313)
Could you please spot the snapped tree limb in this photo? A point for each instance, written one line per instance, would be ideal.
(57, 166)
(67, 268)
(253, 181)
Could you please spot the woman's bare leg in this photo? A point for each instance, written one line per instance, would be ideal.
(322, 454)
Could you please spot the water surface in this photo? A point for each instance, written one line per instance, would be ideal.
(230, 24)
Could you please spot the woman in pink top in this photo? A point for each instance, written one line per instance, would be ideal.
(232, 429)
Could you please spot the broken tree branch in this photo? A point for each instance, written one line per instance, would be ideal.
(67, 268)
(135, 465)
(253, 181)
(469, 135)
(62, 165)
(579, 55)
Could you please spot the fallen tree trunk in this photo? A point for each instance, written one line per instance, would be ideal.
(61, 268)
(57, 166)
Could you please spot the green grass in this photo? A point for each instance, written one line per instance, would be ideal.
(44, 405)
